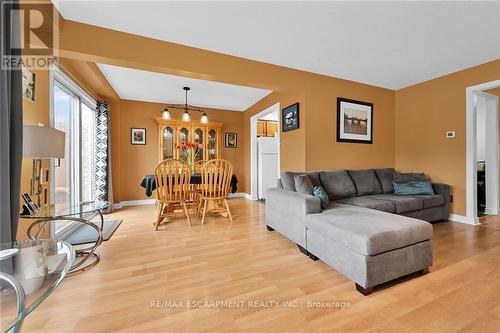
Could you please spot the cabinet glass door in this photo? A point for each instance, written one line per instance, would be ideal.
(183, 138)
(168, 143)
(212, 144)
(199, 138)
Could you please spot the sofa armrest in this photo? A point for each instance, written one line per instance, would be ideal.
(444, 190)
(286, 212)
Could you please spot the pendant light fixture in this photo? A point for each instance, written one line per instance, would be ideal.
(165, 114)
(204, 118)
(186, 117)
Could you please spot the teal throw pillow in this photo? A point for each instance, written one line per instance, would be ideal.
(320, 193)
(413, 188)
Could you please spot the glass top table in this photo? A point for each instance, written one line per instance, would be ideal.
(78, 213)
(53, 211)
(29, 272)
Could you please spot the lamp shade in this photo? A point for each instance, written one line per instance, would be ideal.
(43, 142)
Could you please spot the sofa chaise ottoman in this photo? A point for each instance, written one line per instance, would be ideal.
(369, 247)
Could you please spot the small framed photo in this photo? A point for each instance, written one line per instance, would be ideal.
(231, 140)
(138, 136)
(28, 83)
(354, 121)
(290, 117)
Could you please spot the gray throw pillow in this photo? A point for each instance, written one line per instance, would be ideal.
(287, 181)
(303, 184)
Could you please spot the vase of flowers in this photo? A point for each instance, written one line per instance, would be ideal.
(190, 150)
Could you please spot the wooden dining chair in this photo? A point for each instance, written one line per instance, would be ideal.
(198, 165)
(172, 188)
(215, 180)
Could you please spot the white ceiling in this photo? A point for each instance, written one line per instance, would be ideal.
(388, 44)
(162, 88)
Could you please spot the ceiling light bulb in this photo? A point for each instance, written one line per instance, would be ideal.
(165, 115)
(186, 116)
(204, 118)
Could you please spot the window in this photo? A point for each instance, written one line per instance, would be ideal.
(73, 112)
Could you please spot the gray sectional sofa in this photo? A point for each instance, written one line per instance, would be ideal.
(367, 232)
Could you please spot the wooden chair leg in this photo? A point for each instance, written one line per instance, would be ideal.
(199, 208)
(204, 211)
(228, 211)
(186, 212)
(159, 214)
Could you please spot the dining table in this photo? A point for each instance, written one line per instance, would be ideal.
(149, 183)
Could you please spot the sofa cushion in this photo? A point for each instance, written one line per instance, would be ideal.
(366, 182)
(337, 184)
(403, 204)
(430, 200)
(385, 177)
(403, 177)
(367, 231)
(303, 184)
(385, 206)
(288, 179)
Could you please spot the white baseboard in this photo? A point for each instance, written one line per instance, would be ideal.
(240, 195)
(145, 202)
(489, 211)
(464, 219)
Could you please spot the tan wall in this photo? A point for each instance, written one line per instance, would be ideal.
(135, 161)
(322, 150)
(424, 112)
(34, 112)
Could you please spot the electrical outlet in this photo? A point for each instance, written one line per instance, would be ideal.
(450, 134)
(451, 198)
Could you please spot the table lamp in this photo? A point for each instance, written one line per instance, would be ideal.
(40, 142)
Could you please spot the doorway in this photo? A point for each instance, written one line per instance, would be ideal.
(487, 153)
(265, 125)
(483, 166)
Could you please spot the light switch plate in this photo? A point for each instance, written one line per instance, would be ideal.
(450, 134)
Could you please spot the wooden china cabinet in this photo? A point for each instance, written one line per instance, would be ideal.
(173, 132)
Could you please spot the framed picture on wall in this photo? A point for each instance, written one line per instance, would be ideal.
(231, 140)
(290, 117)
(28, 82)
(354, 121)
(138, 136)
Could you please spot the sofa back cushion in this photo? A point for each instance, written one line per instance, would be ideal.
(404, 177)
(385, 177)
(337, 184)
(366, 182)
(288, 179)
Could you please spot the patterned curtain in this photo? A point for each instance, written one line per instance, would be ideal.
(103, 189)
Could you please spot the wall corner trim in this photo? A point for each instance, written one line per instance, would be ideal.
(464, 219)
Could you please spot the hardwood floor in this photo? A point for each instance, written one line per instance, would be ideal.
(142, 269)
